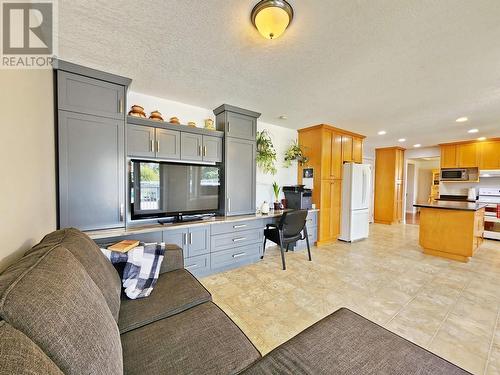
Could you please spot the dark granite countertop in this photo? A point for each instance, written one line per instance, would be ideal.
(452, 205)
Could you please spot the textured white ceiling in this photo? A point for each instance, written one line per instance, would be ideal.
(410, 67)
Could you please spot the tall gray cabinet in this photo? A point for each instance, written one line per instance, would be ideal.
(240, 127)
(91, 147)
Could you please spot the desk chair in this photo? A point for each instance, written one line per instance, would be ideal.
(290, 229)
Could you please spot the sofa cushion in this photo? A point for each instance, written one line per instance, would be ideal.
(57, 305)
(20, 355)
(346, 343)
(95, 263)
(173, 259)
(174, 292)
(201, 340)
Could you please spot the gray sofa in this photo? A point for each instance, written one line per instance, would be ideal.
(62, 311)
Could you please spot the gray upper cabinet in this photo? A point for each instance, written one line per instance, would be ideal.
(140, 141)
(191, 146)
(212, 149)
(82, 94)
(240, 180)
(91, 171)
(241, 126)
(168, 144)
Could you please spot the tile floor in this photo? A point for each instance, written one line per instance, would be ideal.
(448, 307)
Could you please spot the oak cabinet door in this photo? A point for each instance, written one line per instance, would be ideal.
(357, 150)
(467, 155)
(489, 155)
(449, 156)
(347, 148)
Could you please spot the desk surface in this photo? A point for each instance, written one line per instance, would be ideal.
(137, 229)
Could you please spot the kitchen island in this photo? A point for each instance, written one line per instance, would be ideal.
(452, 230)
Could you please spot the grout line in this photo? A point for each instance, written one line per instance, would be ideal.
(449, 312)
(492, 341)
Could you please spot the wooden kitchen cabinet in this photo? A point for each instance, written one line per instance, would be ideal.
(471, 154)
(389, 185)
(489, 155)
(467, 155)
(449, 156)
(328, 148)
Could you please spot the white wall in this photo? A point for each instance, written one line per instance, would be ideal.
(281, 137)
(461, 188)
(27, 192)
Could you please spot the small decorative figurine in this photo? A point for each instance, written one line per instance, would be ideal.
(156, 115)
(192, 124)
(174, 120)
(137, 111)
(264, 209)
(209, 124)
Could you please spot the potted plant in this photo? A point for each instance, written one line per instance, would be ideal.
(276, 188)
(266, 154)
(295, 153)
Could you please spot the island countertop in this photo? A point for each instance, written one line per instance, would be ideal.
(452, 205)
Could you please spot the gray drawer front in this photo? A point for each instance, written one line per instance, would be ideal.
(237, 226)
(198, 265)
(231, 240)
(312, 219)
(144, 237)
(235, 257)
(313, 237)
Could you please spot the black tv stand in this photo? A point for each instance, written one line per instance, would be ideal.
(180, 218)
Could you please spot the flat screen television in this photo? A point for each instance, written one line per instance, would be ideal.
(161, 189)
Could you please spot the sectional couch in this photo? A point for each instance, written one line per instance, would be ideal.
(62, 311)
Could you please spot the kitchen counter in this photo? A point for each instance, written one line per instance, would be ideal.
(452, 205)
(452, 230)
(149, 228)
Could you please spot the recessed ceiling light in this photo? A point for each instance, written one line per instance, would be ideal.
(481, 139)
(402, 140)
(283, 117)
(382, 132)
(417, 145)
(462, 119)
(472, 131)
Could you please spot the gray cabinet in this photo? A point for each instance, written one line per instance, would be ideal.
(199, 265)
(82, 94)
(240, 179)
(191, 146)
(177, 237)
(91, 171)
(194, 241)
(212, 149)
(140, 141)
(143, 237)
(241, 126)
(168, 144)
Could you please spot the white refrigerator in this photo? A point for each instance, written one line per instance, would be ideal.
(355, 202)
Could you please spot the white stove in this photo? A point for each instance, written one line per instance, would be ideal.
(491, 196)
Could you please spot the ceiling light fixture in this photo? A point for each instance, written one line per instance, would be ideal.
(462, 119)
(417, 145)
(472, 131)
(481, 139)
(283, 117)
(272, 17)
(382, 132)
(402, 140)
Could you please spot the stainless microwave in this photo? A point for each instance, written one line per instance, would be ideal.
(454, 174)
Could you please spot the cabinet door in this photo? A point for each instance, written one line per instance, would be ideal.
(82, 94)
(177, 237)
(346, 148)
(168, 144)
(140, 141)
(241, 126)
(449, 156)
(357, 150)
(331, 155)
(91, 171)
(399, 165)
(240, 176)
(191, 146)
(398, 201)
(199, 241)
(329, 213)
(467, 155)
(212, 149)
(489, 155)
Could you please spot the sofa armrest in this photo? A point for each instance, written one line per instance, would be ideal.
(173, 259)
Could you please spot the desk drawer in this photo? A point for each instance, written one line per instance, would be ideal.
(198, 265)
(313, 237)
(234, 239)
(237, 226)
(235, 257)
(312, 219)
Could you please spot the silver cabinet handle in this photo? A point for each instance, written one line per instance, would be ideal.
(122, 211)
(204, 150)
(120, 105)
(190, 238)
(228, 204)
(239, 239)
(228, 126)
(239, 226)
(184, 238)
(238, 255)
(199, 150)
(191, 266)
(157, 146)
(152, 146)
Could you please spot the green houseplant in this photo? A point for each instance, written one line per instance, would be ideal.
(276, 189)
(266, 154)
(295, 153)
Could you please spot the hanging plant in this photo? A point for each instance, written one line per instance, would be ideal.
(266, 155)
(294, 153)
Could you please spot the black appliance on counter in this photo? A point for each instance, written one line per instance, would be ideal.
(298, 197)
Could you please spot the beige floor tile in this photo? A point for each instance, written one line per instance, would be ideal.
(468, 360)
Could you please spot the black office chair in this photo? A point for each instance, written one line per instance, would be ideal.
(290, 229)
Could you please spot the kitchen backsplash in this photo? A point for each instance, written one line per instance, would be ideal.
(460, 188)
